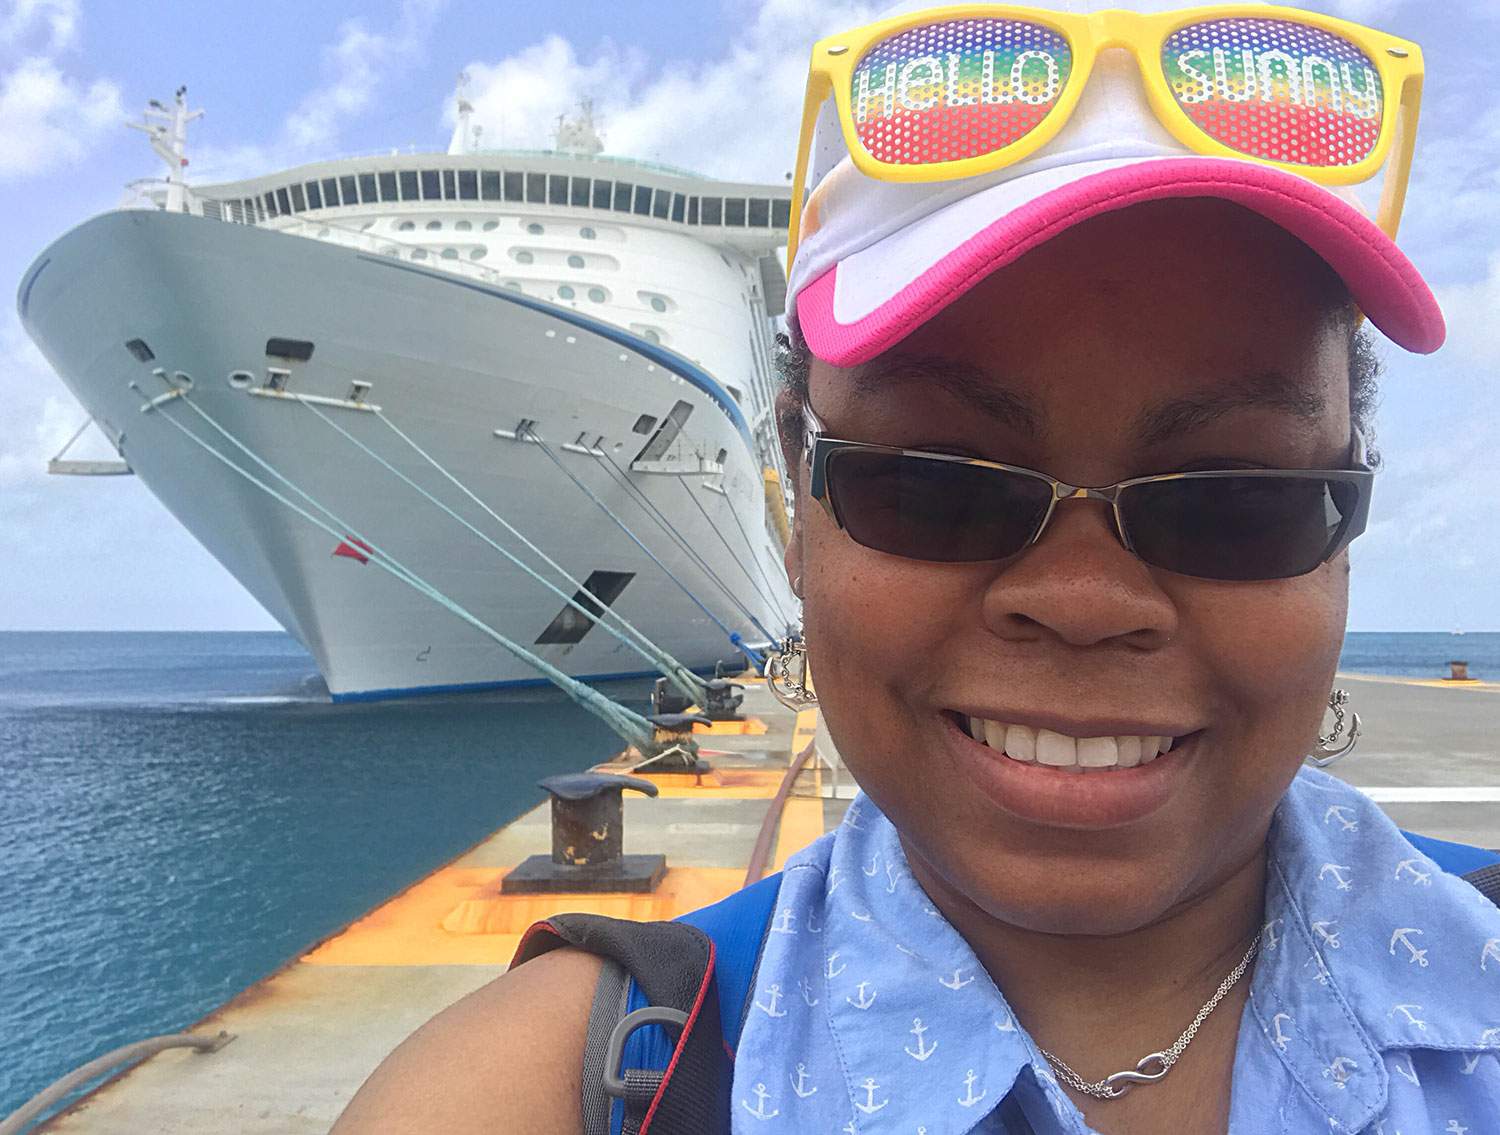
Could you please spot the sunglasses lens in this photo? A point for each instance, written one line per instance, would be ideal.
(941, 511)
(1238, 528)
(1277, 90)
(959, 89)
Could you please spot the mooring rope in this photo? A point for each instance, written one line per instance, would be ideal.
(767, 593)
(630, 726)
(686, 682)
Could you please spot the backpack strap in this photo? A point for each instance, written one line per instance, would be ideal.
(1477, 866)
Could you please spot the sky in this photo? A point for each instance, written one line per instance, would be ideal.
(713, 85)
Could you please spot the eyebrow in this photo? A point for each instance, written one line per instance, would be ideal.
(1268, 390)
(965, 383)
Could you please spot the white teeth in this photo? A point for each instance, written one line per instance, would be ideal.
(1068, 754)
(1055, 749)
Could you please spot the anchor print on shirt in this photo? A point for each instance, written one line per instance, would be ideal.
(1412, 867)
(865, 1001)
(813, 925)
(1409, 1012)
(1268, 935)
(1320, 974)
(831, 972)
(759, 1110)
(1339, 1070)
(1339, 872)
(774, 993)
(1281, 1038)
(869, 1106)
(1403, 935)
(957, 981)
(783, 923)
(969, 1099)
(1491, 950)
(835, 877)
(806, 987)
(874, 868)
(1456, 1128)
(1330, 937)
(890, 878)
(861, 915)
(1342, 814)
(923, 1049)
(1409, 1072)
(799, 1082)
(1006, 1026)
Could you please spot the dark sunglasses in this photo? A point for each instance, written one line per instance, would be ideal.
(1236, 524)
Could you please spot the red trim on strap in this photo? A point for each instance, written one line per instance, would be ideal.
(682, 1040)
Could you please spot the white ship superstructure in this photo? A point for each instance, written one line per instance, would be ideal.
(577, 344)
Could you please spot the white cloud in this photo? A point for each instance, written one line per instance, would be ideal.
(21, 20)
(735, 116)
(50, 119)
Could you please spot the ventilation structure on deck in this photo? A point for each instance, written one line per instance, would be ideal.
(600, 590)
(666, 433)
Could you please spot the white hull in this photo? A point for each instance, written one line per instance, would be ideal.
(450, 361)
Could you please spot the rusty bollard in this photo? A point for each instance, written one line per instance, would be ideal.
(588, 819)
(1458, 672)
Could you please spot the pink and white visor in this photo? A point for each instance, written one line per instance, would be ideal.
(884, 257)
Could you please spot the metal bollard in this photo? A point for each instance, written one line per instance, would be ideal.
(1458, 672)
(588, 820)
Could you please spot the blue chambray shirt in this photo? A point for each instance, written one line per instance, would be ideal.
(1374, 1004)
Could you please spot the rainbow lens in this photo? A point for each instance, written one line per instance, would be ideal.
(1277, 90)
(960, 89)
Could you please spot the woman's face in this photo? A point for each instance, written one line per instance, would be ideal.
(1171, 336)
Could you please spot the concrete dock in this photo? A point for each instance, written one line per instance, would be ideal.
(308, 1036)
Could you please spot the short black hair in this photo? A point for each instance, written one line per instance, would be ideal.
(794, 364)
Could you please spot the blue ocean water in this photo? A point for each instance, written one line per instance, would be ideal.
(182, 813)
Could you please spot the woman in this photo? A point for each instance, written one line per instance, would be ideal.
(1078, 718)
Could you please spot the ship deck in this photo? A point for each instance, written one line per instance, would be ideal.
(305, 1038)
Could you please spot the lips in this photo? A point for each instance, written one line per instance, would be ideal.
(1036, 774)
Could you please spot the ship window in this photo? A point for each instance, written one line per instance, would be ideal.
(587, 233)
(410, 191)
(450, 185)
(450, 254)
(431, 190)
(760, 213)
(434, 226)
(138, 348)
(478, 252)
(513, 190)
(579, 192)
(623, 192)
(598, 295)
(661, 206)
(314, 195)
(270, 203)
(557, 190)
(491, 226)
(723, 454)
(738, 396)
(367, 188)
(713, 210)
(536, 188)
(468, 185)
(234, 210)
(679, 207)
(260, 209)
(406, 226)
(213, 209)
(565, 292)
(651, 335)
(644, 424)
(602, 190)
(489, 184)
(734, 210)
(299, 200)
(282, 202)
(298, 350)
(658, 303)
(348, 189)
(324, 233)
(535, 229)
(692, 210)
(600, 590)
(463, 226)
(330, 192)
(574, 260)
(513, 285)
(419, 254)
(387, 185)
(642, 201)
(523, 256)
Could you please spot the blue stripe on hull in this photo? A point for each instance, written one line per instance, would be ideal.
(477, 687)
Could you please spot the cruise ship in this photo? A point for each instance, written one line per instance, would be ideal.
(505, 373)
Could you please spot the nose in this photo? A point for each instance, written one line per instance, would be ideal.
(1079, 584)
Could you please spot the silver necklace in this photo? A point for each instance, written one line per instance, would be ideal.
(1150, 1069)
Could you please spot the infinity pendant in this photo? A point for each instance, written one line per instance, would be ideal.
(1121, 1082)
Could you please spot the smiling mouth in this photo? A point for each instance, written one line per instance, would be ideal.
(1023, 744)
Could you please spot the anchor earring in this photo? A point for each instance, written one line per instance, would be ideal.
(1329, 750)
(786, 674)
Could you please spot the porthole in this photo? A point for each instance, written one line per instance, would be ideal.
(565, 292)
(462, 226)
(182, 379)
(598, 295)
(658, 304)
(434, 226)
(419, 254)
(406, 226)
(491, 226)
(324, 234)
(575, 261)
(478, 252)
(651, 336)
(523, 256)
(450, 254)
(588, 233)
(240, 379)
(512, 285)
(535, 229)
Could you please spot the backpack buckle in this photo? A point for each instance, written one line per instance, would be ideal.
(614, 1052)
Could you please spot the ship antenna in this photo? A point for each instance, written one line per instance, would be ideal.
(579, 135)
(463, 139)
(167, 129)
